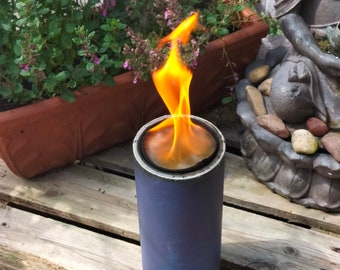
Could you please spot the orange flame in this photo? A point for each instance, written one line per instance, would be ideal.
(177, 142)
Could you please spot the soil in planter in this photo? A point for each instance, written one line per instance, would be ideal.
(6, 105)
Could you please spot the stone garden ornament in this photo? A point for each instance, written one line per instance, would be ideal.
(292, 143)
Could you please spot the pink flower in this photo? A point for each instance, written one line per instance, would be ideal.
(107, 5)
(96, 60)
(169, 24)
(126, 65)
(236, 76)
(24, 66)
(166, 14)
(197, 53)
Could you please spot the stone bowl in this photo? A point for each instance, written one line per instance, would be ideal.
(310, 180)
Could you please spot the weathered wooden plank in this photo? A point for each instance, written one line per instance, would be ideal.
(94, 198)
(11, 259)
(64, 245)
(248, 239)
(120, 154)
(240, 189)
(260, 243)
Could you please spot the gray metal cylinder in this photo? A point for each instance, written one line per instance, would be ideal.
(180, 213)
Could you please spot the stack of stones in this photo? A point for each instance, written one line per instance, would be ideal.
(309, 137)
(294, 160)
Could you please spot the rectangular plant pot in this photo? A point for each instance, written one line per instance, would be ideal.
(42, 136)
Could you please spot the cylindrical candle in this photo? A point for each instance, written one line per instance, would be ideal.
(180, 211)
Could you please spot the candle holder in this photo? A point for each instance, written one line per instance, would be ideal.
(180, 211)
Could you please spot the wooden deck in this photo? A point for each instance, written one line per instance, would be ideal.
(84, 216)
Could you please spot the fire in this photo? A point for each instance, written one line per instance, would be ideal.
(177, 143)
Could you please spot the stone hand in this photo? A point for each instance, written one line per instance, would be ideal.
(297, 32)
(329, 64)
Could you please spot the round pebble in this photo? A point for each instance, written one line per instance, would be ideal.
(331, 142)
(275, 56)
(255, 100)
(273, 124)
(316, 126)
(264, 87)
(304, 142)
(258, 74)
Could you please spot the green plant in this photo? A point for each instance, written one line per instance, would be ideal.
(273, 24)
(217, 18)
(49, 48)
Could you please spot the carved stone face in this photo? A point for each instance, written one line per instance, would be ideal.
(290, 93)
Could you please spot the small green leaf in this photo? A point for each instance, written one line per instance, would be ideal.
(4, 39)
(68, 95)
(26, 96)
(70, 27)
(77, 15)
(53, 28)
(19, 5)
(64, 2)
(44, 11)
(77, 41)
(227, 100)
(41, 66)
(66, 41)
(105, 27)
(211, 20)
(91, 35)
(18, 88)
(4, 91)
(117, 63)
(50, 82)
(7, 26)
(61, 76)
(108, 79)
(95, 78)
(21, 21)
(25, 73)
(90, 66)
(2, 60)
(13, 69)
(72, 84)
(17, 48)
(223, 32)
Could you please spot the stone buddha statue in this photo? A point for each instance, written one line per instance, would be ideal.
(307, 83)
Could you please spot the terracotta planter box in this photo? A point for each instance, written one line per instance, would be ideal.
(39, 137)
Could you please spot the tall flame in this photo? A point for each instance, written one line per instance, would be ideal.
(177, 142)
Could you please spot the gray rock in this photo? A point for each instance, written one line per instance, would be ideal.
(240, 89)
(275, 56)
